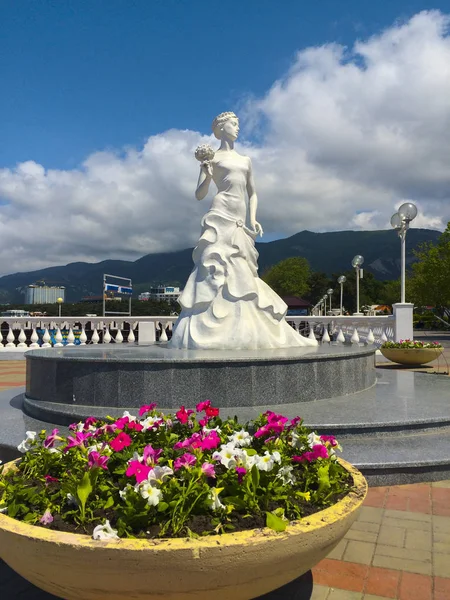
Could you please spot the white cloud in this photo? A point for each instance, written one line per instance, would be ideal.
(348, 135)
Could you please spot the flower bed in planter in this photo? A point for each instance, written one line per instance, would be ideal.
(175, 507)
(411, 352)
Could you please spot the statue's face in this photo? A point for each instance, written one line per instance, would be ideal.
(231, 129)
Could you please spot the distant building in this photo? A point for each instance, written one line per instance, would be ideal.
(44, 294)
(296, 306)
(161, 294)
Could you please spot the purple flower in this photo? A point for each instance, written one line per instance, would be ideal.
(187, 460)
(46, 518)
(95, 459)
(78, 440)
(151, 455)
(51, 439)
(241, 471)
(208, 469)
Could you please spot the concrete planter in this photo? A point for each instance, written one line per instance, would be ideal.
(240, 565)
(411, 356)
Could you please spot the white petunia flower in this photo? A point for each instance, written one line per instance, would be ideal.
(123, 493)
(241, 438)
(207, 430)
(150, 493)
(105, 532)
(313, 439)
(285, 474)
(266, 462)
(149, 422)
(246, 460)
(71, 500)
(127, 414)
(28, 442)
(227, 455)
(214, 501)
(158, 474)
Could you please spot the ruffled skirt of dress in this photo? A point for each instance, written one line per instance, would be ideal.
(225, 305)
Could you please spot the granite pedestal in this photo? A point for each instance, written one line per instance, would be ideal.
(124, 376)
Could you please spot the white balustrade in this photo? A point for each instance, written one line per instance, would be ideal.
(22, 333)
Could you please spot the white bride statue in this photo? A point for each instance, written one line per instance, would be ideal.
(225, 305)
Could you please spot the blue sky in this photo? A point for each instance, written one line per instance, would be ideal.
(85, 75)
(343, 103)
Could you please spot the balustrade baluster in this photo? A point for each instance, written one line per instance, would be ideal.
(95, 337)
(46, 339)
(163, 337)
(370, 337)
(83, 336)
(340, 336)
(58, 338)
(384, 336)
(119, 337)
(311, 330)
(70, 337)
(107, 336)
(131, 338)
(326, 335)
(34, 339)
(10, 338)
(22, 339)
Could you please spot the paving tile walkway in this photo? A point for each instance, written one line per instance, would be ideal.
(398, 548)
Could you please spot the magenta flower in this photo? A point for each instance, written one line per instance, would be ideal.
(49, 479)
(134, 425)
(151, 455)
(139, 470)
(51, 439)
(241, 471)
(318, 451)
(89, 421)
(211, 441)
(147, 408)
(208, 469)
(329, 438)
(201, 406)
(183, 415)
(187, 460)
(97, 460)
(120, 442)
(295, 421)
(195, 441)
(78, 440)
(120, 423)
(46, 518)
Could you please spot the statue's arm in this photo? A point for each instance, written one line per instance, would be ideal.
(204, 179)
(252, 201)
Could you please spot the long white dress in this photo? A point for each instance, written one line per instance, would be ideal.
(225, 305)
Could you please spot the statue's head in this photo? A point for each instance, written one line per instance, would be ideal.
(226, 125)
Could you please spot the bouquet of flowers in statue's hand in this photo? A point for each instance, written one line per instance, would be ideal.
(157, 475)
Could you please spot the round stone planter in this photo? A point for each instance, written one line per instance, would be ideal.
(411, 356)
(241, 565)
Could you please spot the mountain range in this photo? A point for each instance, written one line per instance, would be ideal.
(330, 252)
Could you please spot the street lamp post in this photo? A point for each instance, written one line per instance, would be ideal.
(59, 301)
(357, 262)
(329, 292)
(400, 222)
(324, 299)
(341, 280)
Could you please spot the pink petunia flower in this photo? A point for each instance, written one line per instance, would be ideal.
(51, 439)
(329, 438)
(210, 441)
(46, 518)
(78, 440)
(89, 421)
(49, 479)
(147, 408)
(120, 442)
(201, 406)
(183, 415)
(151, 455)
(241, 471)
(208, 469)
(318, 451)
(139, 470)
(187, 460)
(97, 460)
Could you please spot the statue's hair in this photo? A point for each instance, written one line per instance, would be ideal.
(220, 120)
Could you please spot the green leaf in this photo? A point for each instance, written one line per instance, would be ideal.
(84, 488)
(324, 479)
(109, 502)
(255, 478)
(162, 506)
(275, 523)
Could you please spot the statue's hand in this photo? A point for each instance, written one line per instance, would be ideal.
(257, 228)
(206, 167)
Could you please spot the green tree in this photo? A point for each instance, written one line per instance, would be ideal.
(430, 281)
(289, 277)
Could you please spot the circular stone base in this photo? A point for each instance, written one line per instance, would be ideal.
(129, 376)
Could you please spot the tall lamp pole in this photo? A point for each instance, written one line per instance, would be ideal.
(329, 292)
(400, 222)
(324, 299)
(357, 262)
(341, 280)
(59, 301)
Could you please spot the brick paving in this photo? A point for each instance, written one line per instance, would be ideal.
(398, 548)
